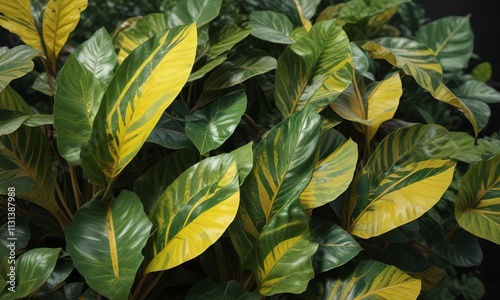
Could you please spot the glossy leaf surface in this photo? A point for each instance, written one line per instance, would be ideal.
(271, 26)
(477, 90)
(12, 120)
(15, 63)
(188, 11)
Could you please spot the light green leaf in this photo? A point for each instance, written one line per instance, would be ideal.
(211, 126)
(224, 39)
(419, 62)
(209, 66)
(314, 70)
(77, 101)
(194, 211)
(41, 84)
(15, 63)
(10, 120)
(355, 10)
(271, 26)
(399, 183)
(188, 11)
(477, 208)
(482, 72)
(333, 171)
(336, 246)
(231, 73)
(477, 90)
(132, 105)
(105, 242)
(244, 160)
(33, 268)
(97, 54)
(452, 40)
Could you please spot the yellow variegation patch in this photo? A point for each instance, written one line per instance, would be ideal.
(16, 16)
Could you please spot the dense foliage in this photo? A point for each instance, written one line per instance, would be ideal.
(307, 149)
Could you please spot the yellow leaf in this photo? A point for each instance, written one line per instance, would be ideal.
(16, 16)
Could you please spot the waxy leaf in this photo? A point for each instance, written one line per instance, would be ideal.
(244, 160)
(209, 66)
(105, 242)
(77, 101)
(97, 54)
(477, 207)
(211, 126)
(399, 183)
(369, 105)
(418, 61)
(11, 120)
(62, 270)
(314, 70)
(452, 40)
(209, 290)
(188, 11)
(17, 17)
(271, 26)
(15, 63)
(224, 39)
(60, 18)
(194, 211)
(271, 232)
(144, 85)
(371, 280)
(333, 171)
(33, 268)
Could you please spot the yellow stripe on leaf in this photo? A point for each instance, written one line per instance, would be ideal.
(16, 16)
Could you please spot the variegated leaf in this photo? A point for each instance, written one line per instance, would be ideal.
(17, 17)
(15, 63)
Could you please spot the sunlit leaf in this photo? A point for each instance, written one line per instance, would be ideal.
(17, 17)
(244, 160)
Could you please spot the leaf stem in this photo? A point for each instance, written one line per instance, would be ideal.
(69, 215)
(74, 184)
(107, 191)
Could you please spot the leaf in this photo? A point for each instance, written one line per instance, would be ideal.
(41, 84)
(189, 11)
(16, 17)
(97, 54)
(194, 211)
(271, 230)
(399, 183)
(33, 268)
(209, 66)
(209, 290)
(361, 61)
(12, 120)
(271, 26)
(314, 70)
(333, 171)
(105, 242)
(355, 10)
(22, 230)
(62, 270)
(477, 90)
(482, 72)
(77, 101)
(419, 62)
(452, 40)
(209, 127)
(244, 160)
(336, 246)
(11, 100)
(224, 39)
(231, 73)
(60, 18)
(170, 133)
(477, 207)
(132, 105)
(15, 63)
(369, 105)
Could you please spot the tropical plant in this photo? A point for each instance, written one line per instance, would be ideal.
(244, 150)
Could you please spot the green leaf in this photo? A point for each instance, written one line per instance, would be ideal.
(15, 63)
(314, 70)
(464, 147)
(418, 61)
(355, 10)
(11, 100)
(105, 242)
(188, 11)
(477, 90)
(209, 290)
(336, 246)
(22, 230)
(41, 84)
(482, 72)
(77, 101)
(361, 61)
(333, 170)
(399, 183)
(170, 133)
(244, 160)
(209, 66)
(271, 26)
(194, 211)
(10, 120)
(211, 126)
(291, 8)
(477, 208)
(452, 40)
(62, 270)
(370, 280)
(97, 54)
(132, 106)
(231, 73)
(224, 39)
(271, 230)
(33, 268)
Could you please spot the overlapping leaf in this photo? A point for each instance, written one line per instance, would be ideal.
(16, 16)
(15, 63)
(419, 62)
(211, 126)
(314, 70)
(271, 26)
(208, 290)
(224, 39)
(400, 182)
(12, 120)
(452, 40)
(477, 207)
(271, 230)
(369, 105)
(194, 211)
(477, 90)
(189, 11)
(105, 242)
(144, 85)
(355, 10)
